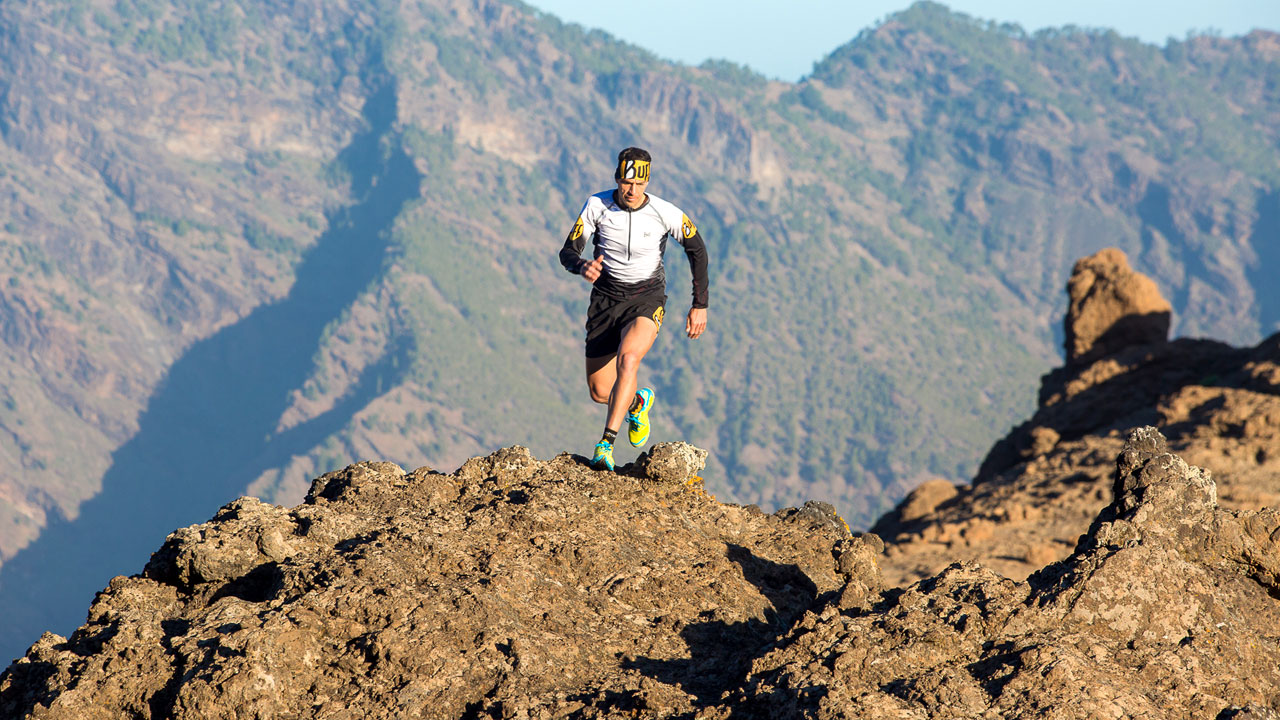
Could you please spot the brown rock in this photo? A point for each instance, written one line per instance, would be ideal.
(1039, 554)
(1111, 308)
(514, 587)
(1043, 441)
(859, 564)
(1168, 608)
(925, 499)
(919, 505)
(672, 462)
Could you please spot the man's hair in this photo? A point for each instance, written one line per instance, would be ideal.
(631, 153)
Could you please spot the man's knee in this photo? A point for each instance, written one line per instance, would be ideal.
(599, 393)
(629, 362)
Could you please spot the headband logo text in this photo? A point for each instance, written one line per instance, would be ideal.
(637, 170)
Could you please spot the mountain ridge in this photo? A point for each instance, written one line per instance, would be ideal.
(492, 592)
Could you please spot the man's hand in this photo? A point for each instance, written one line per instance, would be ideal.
(591, 271)
(696, 322)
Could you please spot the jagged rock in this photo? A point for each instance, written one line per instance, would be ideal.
(1159, 497)
(859, 566)
(513, 587)
(917, 506)
(1111, 307)
(1172, 617)
(1039, 487)
(242, 536)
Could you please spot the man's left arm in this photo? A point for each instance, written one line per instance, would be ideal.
(696, 251)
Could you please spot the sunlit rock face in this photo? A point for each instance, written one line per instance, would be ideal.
(1112, 307)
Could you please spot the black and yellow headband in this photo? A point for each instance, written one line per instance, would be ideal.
(637, 170)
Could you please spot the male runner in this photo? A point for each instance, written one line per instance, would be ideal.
(629, 230)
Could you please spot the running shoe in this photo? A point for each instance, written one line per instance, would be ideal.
(638, 421)
(604, 456)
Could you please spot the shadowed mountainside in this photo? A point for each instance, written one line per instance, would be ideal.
(209, 430)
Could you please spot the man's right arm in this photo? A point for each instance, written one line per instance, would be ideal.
(571, 253)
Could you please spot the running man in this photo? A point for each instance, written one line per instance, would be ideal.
(629, 230)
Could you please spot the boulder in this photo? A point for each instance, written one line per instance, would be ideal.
(672, 462)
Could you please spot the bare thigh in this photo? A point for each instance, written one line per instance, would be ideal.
(637, 339)
(602, 372)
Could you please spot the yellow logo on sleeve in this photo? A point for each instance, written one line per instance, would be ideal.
(688, 227)
(577, 229)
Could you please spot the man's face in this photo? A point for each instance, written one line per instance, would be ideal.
(631, 193)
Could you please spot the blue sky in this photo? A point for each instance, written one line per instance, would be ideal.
(784, 39)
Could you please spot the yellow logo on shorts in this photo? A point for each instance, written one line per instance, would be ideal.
(688, 227)
(657, 317)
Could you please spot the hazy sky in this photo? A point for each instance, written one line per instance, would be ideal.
(784, 38)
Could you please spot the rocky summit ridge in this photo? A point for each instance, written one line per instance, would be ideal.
(1090, 570)
(521, 588)
(510, 585)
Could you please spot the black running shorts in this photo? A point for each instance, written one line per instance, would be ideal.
(607, 317)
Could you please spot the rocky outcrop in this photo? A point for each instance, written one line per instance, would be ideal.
(513, 587)
(1039, 488)
(1112, 307)
(1167, 608)
(518, 588)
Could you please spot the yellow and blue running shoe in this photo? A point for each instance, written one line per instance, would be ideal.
(638, 421)
(604, 456)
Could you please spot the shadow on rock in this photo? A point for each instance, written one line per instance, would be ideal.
(720, 653)
(1123, 390)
